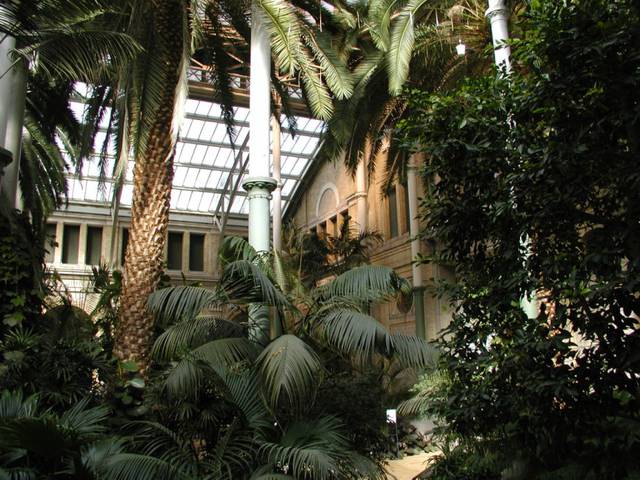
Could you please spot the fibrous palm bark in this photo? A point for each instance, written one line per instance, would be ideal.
(153, 174)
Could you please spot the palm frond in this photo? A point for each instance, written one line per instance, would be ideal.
(367, 283)
(81, 55)
(235, 451)
(335, 72)
(235, 248)
(13, 404)
(135, 466)
(243, 390)
(432, 385)
(379, 15)
(185, 379)
(192, 333)
(83, 420)
(96, 454)
(282, 23)
(288, 368)
(354, 333)
(310, 449)
(243, 280)
(316, 94)
(401, 47)
(182, 302)
(414, 352)
(225, 352)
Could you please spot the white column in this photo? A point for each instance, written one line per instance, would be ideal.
(498, 15)
(13, 83)
(361, 196)
(258, 183)
(82, 244)
(277, 193)
(414, 232)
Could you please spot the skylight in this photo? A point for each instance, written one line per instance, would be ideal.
(204, 162)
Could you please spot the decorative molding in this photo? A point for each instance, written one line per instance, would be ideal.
(259, 183)
(327, 186)
(259, 187)
(496, 8)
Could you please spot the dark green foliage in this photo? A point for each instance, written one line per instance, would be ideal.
(535, 187)
(358, 400)
(21, 265)
(467, 461)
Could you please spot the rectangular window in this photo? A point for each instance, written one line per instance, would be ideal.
(70, 243)
(174, 251)
(94, 246)
(393, 214)
(196, 252)
(124, 245)
(345, 223)
(332, 225)
(322, 230)
(50, 242)
(407, 216)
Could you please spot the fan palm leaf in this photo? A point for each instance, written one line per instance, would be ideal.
(13, 404)
(289, 369)
(414, 352)
(354, 333)
(183, 302)
(187, 375)
(245, 281)
(135, 466)
(309, 449)
(191, 333)
(367, 283)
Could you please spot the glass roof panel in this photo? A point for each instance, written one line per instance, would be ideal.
(203, 160)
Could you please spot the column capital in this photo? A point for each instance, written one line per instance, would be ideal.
(497, 8)
(263, 183)
(259, 187)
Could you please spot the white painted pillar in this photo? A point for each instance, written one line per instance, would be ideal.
(498, 15)
(258, 183)
(361, 196)
(414, 232)
(277, 193)
(82, 244)
(13, 87)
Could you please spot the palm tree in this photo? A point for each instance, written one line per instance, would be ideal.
(58, 43)
(272, 386)
(146, 99)
(146, 93)
(394, 45)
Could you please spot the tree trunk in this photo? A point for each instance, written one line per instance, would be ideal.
(153, 174)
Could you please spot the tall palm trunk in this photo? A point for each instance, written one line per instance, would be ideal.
(153, 175)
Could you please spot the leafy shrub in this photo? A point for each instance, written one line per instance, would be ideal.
(538, 190)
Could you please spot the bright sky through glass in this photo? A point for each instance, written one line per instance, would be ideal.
(204, 160)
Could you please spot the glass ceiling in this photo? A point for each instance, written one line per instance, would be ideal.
(204, 162)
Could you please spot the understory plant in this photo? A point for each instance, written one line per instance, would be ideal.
(250, 390)
(534, 194)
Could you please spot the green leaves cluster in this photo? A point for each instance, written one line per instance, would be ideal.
(533, 188)
(267, 388)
